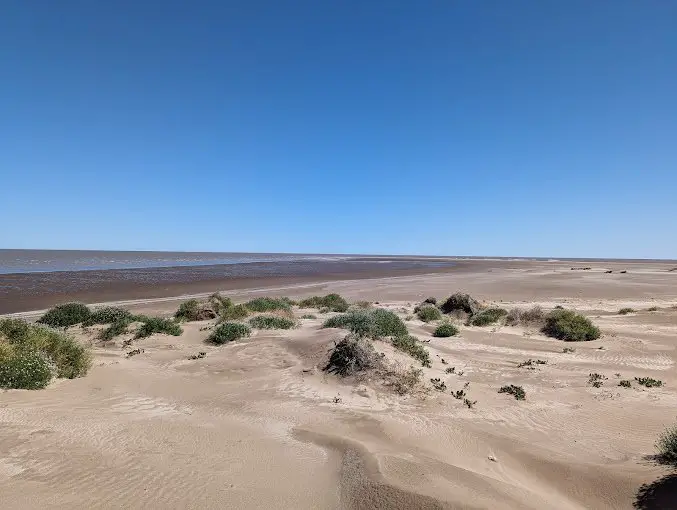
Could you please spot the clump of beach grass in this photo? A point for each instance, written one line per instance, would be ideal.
(411, 345)
(229, 332)
(271, 322)
(375, 323)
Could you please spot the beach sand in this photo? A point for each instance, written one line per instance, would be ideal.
(256, 424)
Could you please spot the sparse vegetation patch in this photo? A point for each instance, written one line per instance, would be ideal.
(649, 382)
(352, 355)
(667, 446)
(596, 380)
(463, 302)
(626, 311)
(531, 363)
(516, 391)
(108, 315)
(625, 384)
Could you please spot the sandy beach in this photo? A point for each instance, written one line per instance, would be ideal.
(257, 423)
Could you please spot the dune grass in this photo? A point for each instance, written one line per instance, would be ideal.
(374, 323)
(271, 322)
(516, 391)
(30, 355)
(67, 314)
(333, 302)
(570, 326)
(229, 332)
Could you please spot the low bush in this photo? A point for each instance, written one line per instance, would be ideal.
(430, 300)
(375, 323)
(649, 382)
(667, 446)
(68, 314)
(626, 311)
(151, 325)
(463, 302)
(516, 391)
(220, 302)
(333, 302)
(445, 330)
(228, 332)
(570, 326)
(108, 315)
(352, 355)
(25, 370)
(488, 316)
(652, 309)
(411, 346)
(531, 363)
(625, 384)
(194, 310)
(429, 313)
(469, 403)
(271, 322)
(268, 304)
(22, 342)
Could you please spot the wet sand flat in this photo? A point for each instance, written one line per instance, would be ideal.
(256, 424)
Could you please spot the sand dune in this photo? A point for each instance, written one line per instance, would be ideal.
(256, 424)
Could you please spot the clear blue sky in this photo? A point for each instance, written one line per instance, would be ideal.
(533, 128)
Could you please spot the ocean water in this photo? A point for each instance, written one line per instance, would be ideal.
(41, 261)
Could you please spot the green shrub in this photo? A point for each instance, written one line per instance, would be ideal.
(68, 357)
(108, 315)
(115, 329)
(667, 446)
(268, 304)
(429, 313)
(516, 391)
(68, 314)
(271, 322)
(375, 323)
(570, 326)
(411, 346)
(430, 300)
(488, 316)
(352, 355)
(153, 325)
(626, 311)
(333, 302)
(228, 332)
(445, 330)
(625, 384)
(25, 370)
(194, 310)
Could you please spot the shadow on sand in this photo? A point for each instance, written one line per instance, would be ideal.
(658, 495)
